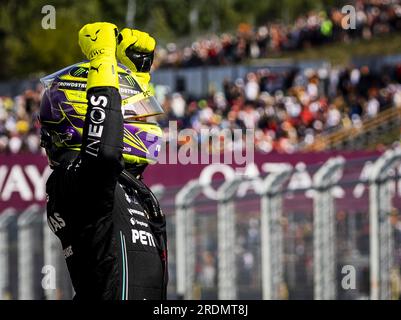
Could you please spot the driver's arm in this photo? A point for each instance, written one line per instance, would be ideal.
(102, 141)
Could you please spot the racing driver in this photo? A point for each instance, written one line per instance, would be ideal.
(98, 142)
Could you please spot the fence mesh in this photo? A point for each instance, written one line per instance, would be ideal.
(27, 245)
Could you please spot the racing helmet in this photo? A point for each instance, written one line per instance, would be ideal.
(63, 110)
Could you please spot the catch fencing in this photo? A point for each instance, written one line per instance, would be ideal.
(259, 238)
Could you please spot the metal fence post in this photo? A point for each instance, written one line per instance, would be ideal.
(185, 242)
(227, 287)
(381, 237)
(27, 245)
(6, 218)
(158, 190)
(272, 232)
(324, 223)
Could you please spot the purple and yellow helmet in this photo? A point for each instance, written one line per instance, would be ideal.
(64, 104)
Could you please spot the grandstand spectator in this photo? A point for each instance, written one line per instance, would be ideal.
(286, 109)
(207, 276)
(19, 128)
(302, 105)
(251, 87)
(333, 117)
(313, 29)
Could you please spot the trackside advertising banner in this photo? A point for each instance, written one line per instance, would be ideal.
(23, 176)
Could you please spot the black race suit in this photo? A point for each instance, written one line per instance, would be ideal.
(113, 241)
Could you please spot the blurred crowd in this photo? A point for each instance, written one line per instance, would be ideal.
(373, 17)
(19, 125)
(285, 110)
(288, 109)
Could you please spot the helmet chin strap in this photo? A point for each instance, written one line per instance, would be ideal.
(58, 157)
(136, 169)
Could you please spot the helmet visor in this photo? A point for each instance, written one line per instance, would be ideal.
(140, 106)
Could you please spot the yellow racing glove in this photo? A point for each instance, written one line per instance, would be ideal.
(135, 49)
(98, 43)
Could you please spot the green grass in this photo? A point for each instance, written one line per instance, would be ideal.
(341, 53)
(386, 139)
